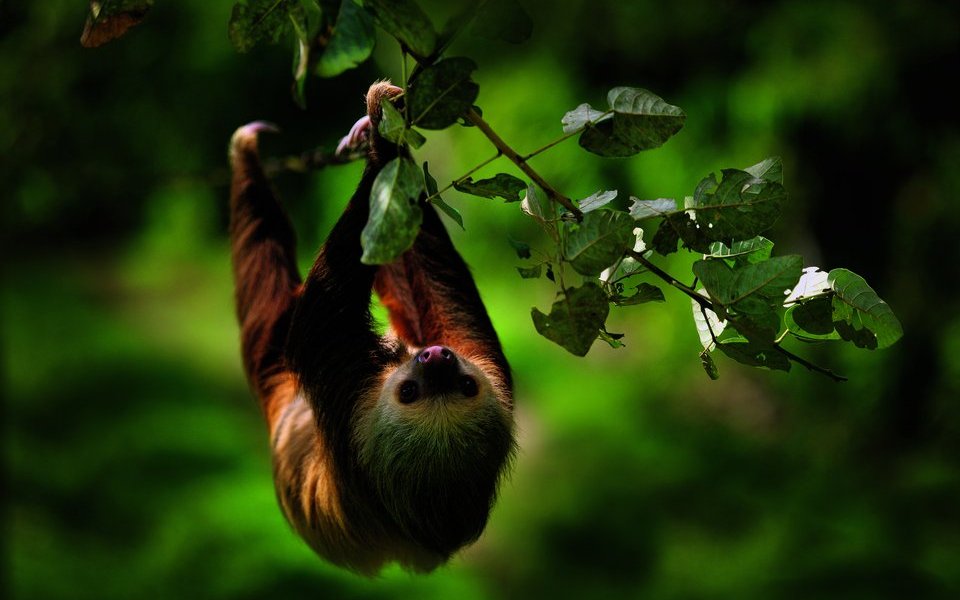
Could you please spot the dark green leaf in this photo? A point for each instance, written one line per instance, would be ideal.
(597, 200)
(395, 215)
(767, 280)
(550, 274)
(442, 93)
(646, 292)
(740, 207)
(503, 20)
(575, 318)
(530, 272)
(770, 169)
(709, 366)
(255, 21)
(812, 320)
(502, 185)
(613, 339)
(666, 238)
(599, 139)
(754, 250)
(350, 43)
(677, 226)
(756, 320)
(431, 186)
(642, 118)
(598, 241)
(522, 248)
(406, 21)
(306, 18)
(859, 315)
(579, 117)
(110, 19)
(641, 121)
(449, 211)
(755, 355)
(395, 130)
(645, 209)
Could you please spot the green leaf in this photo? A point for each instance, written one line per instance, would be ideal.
(406, 21)
(521, 248)
(596, 200)
(255, 21)
(739, 207)
(598, 241)
(766, 280)
(537, 205)
(306, 18)
(395, 215)
(645, 209)
(395, 130)
(350, 43)
(110, 19)
(756, 320)
(667, 236)
(612, 339)
(706, 322)
(503, 20)
(709, 366)
(770, 169)
(442, 93)
(646, 292)
(811, 320)
(575, 318)
(530, 272)
(579, 117)
(642, 118)
(502, 185)
(641, 121)
(755, 355)
(754, 250)
(431, 185)
(859, 315)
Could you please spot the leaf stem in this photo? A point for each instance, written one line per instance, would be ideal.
(560, 139)
(518, 160)
(465, 175)
(809, 365)
(703, 302)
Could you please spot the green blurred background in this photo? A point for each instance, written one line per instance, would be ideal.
(135, 460)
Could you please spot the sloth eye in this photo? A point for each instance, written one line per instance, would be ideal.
(468, 386)
(409, 391)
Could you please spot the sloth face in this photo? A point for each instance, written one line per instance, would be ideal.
(436, 439)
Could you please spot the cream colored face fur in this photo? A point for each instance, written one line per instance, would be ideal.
(433, 422)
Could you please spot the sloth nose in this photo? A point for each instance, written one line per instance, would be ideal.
(435, 355)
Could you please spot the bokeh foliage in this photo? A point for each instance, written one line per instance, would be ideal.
(136, 462)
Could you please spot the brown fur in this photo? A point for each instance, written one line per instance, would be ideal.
(362, 478)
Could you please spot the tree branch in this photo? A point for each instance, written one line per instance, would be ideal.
(518, 160)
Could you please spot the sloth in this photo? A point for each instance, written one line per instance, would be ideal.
(386, 448)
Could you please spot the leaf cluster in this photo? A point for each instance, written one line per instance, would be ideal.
(746, 301)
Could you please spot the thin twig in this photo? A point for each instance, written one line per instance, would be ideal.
(510, 153)
(312, 160)
(809, 365)
(706, 304)
(465, 175)
(637, 256)
(562, 138)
